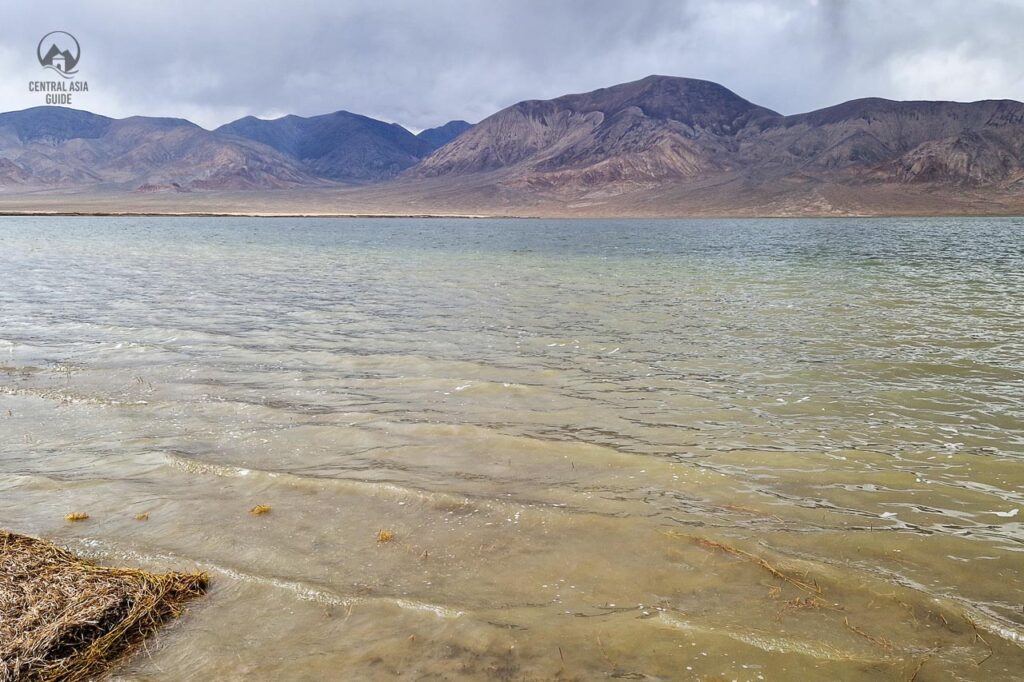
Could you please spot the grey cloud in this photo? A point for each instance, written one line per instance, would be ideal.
(422, 63)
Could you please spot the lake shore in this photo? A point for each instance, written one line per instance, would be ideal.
(489, 199)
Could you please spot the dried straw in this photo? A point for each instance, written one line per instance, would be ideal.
(62, 618)
(801, 582)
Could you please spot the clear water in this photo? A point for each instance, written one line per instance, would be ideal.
(594, 441)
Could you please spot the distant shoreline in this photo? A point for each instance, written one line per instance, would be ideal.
(218, 214)
(464, 216)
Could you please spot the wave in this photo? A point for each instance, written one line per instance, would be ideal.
(98, 550)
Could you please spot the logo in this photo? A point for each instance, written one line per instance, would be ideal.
(59, 50)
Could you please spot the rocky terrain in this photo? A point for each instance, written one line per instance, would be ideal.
(659, 146)
(442, 135)
(56, 148)
(666, 132)
(342, 146)
(650, 129)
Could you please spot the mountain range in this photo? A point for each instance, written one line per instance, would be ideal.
(343, 146)
(658, 146)
(61, 149)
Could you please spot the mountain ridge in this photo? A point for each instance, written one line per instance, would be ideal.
(665, 128)
(57, 147)
(340, 146)
(443, 134)
(661, 145)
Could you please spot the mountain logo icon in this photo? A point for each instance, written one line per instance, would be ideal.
(59, 50)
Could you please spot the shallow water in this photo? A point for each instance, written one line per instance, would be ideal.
(743, 450)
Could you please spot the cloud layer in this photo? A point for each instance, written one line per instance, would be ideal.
(422, 63)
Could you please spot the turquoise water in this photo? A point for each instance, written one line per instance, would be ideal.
(585, 435)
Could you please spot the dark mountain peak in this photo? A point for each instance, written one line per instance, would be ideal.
(58, 147)
(340, 114)
(691, 101)
(609, 124)
(877, 109)
(339, 145)
(679, 86)
(368, 121)
(863, 109)
(158, 122)
(54, 124)
(347, 116)
(442, 135)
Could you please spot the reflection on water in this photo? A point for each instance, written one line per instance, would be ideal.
(744, 450)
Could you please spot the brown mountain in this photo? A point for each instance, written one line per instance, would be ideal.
(50, 147)
(342, 146)
(678, 144)
(660, 146)
(442, 135)
(654, 128)
(980, 143)
(56, 148)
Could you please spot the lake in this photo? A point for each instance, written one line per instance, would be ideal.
(713, 449)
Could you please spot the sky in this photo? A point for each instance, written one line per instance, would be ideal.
(423, 62)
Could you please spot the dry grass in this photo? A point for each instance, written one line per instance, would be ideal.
(260, 509)
(385, 535)
(62, 618)
(799, 581)
(877, 641)
(76, 516)
(978, 637)
(812, 603)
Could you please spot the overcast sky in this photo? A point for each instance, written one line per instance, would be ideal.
(423, 62)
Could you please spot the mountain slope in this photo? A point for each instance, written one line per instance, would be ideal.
(980, 143)
(658, 127)
(341, 146)
(57, 147)
(442, 135)
(658, 146)
(663, 131)
(53, 124)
